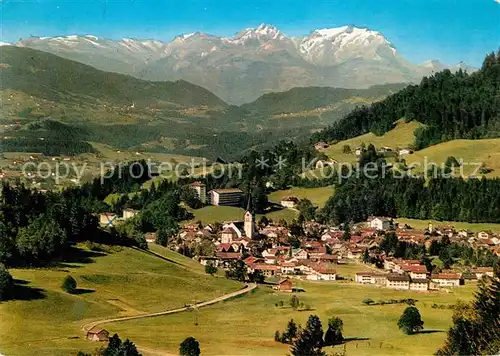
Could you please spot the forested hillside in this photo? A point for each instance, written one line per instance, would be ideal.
(54, 78)
(452, 106)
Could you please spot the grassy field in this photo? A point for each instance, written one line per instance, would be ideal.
(318, 196)
(401, 136)
(475, 227)
(125, 282)
(211, 213)
(472, 152)
(246, 325)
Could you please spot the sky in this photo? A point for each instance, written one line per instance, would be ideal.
(447, 30)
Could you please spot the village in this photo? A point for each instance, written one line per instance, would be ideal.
(270, 249)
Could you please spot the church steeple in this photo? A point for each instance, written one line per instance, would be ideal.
(249, 224)
(249, 204)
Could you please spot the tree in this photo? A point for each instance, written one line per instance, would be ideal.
(294, 302)
(189, 347)
(306, 344)
(476, 325)
(410, 321)
(346, 236)
(306, 209)
(69, 285)
(333, 335)
(6, 283)
(210, 268)
(162, 238)
(346, 149)
(40, 241)
(290, 333)
(237, 271)
(366, 256)
(277, 336)
(256, 277)
(316, 329)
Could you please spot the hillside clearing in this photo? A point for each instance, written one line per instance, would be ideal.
(126, 282)
(318, 196)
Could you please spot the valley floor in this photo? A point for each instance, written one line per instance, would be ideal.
(47, 321)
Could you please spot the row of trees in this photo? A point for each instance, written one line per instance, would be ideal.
(310, 340)
(451, 199)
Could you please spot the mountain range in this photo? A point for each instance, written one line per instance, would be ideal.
(255, 61)
(163, 116)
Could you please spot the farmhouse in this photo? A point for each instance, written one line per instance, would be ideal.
(129, 213)
(480, 272)
(289, 202)
(446, 279)
(321, 145)
(324, 163)
(371, 278)
(322, 272)
(398, 281)
(419, 284)
(97, 334)
(108, 219)
(416, 272)
(405, 151)
(285, 285)
(380, 223)
(226, 197)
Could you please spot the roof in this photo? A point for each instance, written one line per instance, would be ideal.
(285, 280)
(370, 274)
(414, 268)
(398, 277)
(447, 276)
(197, 184)
(96, 330)
(264, 267)
(294, 199)
(228, 255)
(228, 190)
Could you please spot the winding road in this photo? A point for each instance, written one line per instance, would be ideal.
(88, 326)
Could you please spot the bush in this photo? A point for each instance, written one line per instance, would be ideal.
(368, 301)
(69, 285)
(6, 283)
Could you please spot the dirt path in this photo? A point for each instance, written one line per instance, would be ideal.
(88, 326)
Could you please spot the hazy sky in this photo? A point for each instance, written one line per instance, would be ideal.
(448, 30)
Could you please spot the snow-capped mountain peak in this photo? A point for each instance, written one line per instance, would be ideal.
(262, 33)
(330, 46)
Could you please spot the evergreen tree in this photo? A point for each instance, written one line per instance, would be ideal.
(316, 330)
(291, 332)
(476, 326)
(306, 345)
(189, 347)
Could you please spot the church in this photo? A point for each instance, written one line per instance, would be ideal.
(240, 230)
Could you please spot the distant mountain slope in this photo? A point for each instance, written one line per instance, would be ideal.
(450, 105)
(39, 91)
(253, 62)
(54, 78)
(310, 98)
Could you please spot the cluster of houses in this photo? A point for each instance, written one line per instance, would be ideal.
(385, 151)
(267, 250)
(410, 274)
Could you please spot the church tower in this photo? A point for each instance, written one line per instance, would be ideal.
(249, 225)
